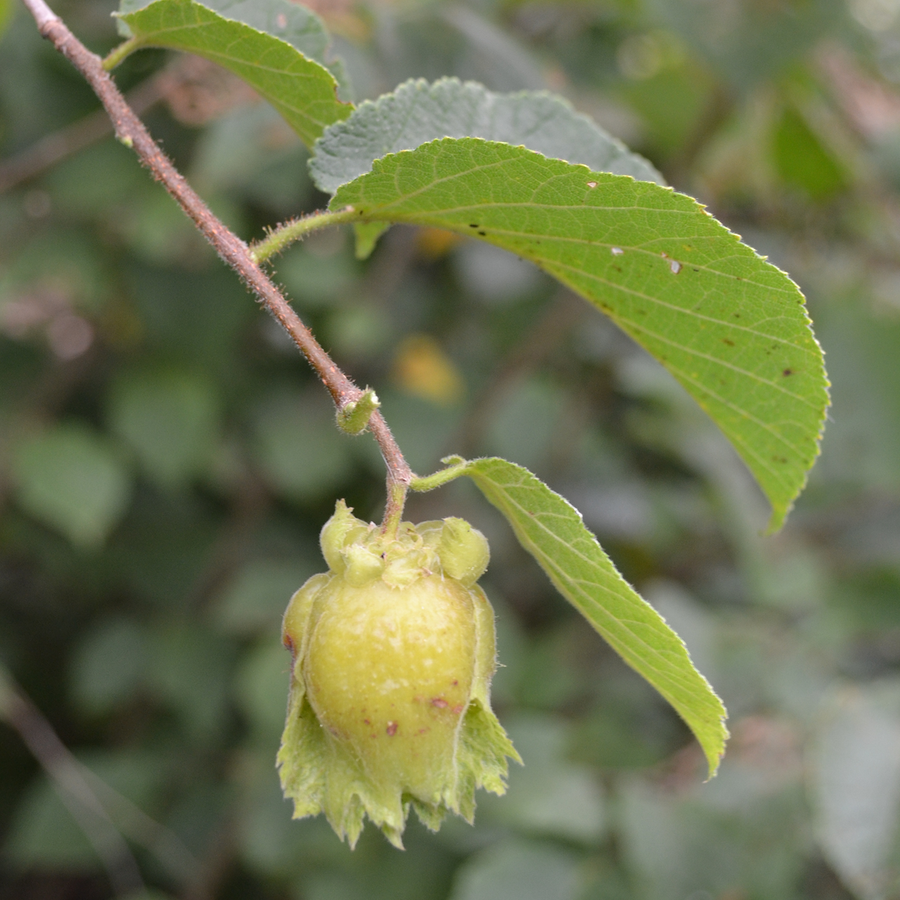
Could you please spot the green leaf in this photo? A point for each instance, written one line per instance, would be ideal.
(301, 89)
(803, 157)
(367, 234)
(72, 480)
(299, 451)
(190, 669)
(256, 598)
(748, 45)
(6, 14)
(418, 112)
(108, 666)
(552, 531)
(57, 827)
(169, 417)
(518, 869)
(261, 683)
(44, 833)
(549, 795)
(729, 326)
(855, 785)
(290, 22)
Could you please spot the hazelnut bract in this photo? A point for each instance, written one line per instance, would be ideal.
(393, 652)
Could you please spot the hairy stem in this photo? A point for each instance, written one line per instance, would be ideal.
(393, 513)
(233, 251)
(279, 238)
(456, 466)
(120, 53)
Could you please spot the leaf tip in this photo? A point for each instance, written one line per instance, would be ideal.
(777, 519)
(715, 756)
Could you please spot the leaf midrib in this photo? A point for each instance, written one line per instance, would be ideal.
(576, 587)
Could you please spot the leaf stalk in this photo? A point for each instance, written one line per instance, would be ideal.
(118, 54)
(281, 237)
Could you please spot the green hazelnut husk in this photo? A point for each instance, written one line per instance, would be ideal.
(393, 650)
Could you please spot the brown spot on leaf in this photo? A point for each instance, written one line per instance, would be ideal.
(391, 729)
(787, 372)
(440, 703)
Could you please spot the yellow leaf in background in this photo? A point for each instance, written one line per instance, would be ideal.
(422, 368)
(433, 243)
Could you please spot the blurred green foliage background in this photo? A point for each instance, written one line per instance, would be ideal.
(167, 460)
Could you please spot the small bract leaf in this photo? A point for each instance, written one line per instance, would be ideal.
(729, 326)
(367, 234)
(301, 89)
(354, 417)
(552, 531)
(418, 112)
